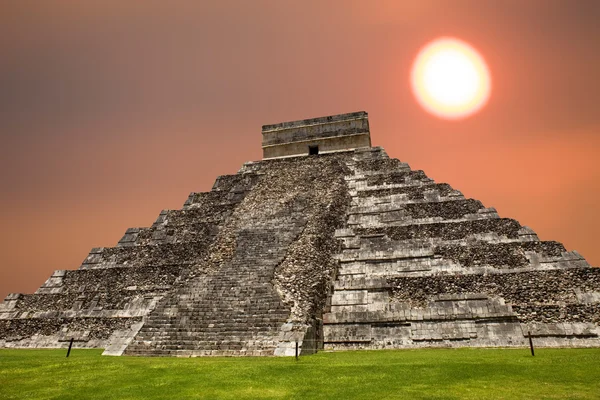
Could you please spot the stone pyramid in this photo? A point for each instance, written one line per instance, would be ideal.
(326, 242)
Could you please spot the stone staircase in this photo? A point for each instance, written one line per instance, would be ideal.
(234, 311)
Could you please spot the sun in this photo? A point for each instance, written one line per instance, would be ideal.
(450, 79)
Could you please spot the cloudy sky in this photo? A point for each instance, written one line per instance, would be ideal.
(113, 110)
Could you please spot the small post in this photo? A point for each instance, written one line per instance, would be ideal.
(530, 343)
(296, 350)
(70, 345)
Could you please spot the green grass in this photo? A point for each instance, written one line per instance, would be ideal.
(419, 374)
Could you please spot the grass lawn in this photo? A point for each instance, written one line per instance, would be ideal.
(420, 374)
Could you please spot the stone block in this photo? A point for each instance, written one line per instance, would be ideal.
(347, 333)
(349, 297)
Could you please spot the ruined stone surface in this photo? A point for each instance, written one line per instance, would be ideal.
(90, 328)
(305, 274)
(533, 288)
(502, 226)
(346, 250)
(508, 255)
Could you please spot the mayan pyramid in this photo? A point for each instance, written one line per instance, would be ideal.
(327, 242)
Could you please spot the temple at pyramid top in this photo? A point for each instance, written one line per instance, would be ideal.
(331, 134)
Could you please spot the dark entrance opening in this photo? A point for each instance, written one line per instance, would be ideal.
(313, 150)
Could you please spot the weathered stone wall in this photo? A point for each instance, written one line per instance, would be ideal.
(532, 294)
(331, 134)
(62, 329)
(505, 227)
(416, 192)
(422, 266)
(327, 145)
(502, 255)
(316, 128)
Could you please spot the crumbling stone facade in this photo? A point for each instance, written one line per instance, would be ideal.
(347, 249)
(421, 266)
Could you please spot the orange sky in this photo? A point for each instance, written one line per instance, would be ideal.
(113, 110)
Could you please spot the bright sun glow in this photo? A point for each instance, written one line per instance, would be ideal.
(450, 79)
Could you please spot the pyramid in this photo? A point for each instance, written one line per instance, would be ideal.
(326, 243)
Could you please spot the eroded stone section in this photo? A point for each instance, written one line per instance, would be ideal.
(505, 255)
(524, 290)
(503, 227)
(50, 331)
(305, 276)
(269, 268)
